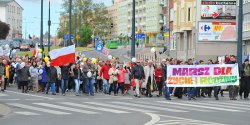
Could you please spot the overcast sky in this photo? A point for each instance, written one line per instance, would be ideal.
(32, 14)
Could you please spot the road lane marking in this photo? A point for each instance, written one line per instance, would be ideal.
(201, 106)
(223, 106)
(149, 107)
(1, 95)
(154, 119)
(33, 99)
(119, 107)
(10, 99)
(30, 95)
(38, 109)
(232, 104)
(175, 106)
(65, 108)
(26, 113)
(94, 107)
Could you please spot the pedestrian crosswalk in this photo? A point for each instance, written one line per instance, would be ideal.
(126, 107)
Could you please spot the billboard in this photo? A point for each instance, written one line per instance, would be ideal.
(217, 31)
(218, 9)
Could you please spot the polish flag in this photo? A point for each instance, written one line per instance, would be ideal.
(63, 56)
(35, 51)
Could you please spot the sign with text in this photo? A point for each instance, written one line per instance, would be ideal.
(105, 52)
(202, 75)
(218, 9)
(217, 31)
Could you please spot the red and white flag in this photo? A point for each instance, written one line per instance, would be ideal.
(35, 51)
(63, 56)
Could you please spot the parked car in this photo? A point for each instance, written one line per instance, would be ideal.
(24, 46)
(14, 45)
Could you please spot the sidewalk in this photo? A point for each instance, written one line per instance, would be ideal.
(4, 110)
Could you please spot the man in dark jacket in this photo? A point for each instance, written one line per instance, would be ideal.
(51, 77)
(245, 80)
(2, 70)
(138, 75)
(233, 90)
(65, 77)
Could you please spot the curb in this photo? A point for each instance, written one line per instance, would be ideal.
(4, 110)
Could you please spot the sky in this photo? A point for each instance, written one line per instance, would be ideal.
(32, 15)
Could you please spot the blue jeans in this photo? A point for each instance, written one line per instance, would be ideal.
(89, 85)
(53, 87)
(77, 85)
(191, 91)
(64, 85)
(105, 86)
(167, 92)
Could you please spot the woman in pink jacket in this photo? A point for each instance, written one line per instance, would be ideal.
(121, 79)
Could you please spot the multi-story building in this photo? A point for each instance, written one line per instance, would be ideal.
(11, 13)
(246, 27)
(149, 17)
(204, 29)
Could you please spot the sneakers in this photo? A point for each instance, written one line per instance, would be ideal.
(63, 94)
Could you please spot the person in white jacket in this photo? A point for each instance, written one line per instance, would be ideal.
(149, 77)
(113, 73)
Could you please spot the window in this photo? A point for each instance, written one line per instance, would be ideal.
(189, 14)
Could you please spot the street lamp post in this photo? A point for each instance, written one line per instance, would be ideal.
(133, 31)
(41, 32)
(70, 20)
(49, 24)
(239, 43)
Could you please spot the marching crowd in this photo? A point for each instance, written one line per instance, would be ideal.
(89, 76)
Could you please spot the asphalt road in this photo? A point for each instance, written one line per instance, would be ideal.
(40, 109)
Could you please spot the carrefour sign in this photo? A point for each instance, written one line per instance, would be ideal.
(217, 31)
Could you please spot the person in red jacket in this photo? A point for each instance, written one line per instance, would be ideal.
(105, 76)
(159, 78)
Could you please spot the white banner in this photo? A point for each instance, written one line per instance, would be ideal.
(202, 75)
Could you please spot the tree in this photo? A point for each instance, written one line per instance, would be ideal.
(85, 35)
(4, 30)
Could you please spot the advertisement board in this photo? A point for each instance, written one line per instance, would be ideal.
(217, 31)
(218, 9)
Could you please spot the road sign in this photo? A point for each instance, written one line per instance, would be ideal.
(140, 36)
(78, 36)
(67, 37)
(160, 36)
(99, 47)
(92, 36)
(167, 29)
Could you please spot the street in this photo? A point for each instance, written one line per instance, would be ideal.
(33, 108)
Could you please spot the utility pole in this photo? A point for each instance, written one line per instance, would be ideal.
(70, 20)
(239, 43)
(41, 31)
(75, 31)
(133, 31)
(49, 24)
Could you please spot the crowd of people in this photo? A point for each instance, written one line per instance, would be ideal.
(89, 76)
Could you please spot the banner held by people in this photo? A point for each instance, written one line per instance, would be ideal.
(202, 75)
(63, 56)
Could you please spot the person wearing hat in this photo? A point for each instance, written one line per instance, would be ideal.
(138, 74)
(245, 80)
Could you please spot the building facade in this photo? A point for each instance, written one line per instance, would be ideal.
(149, 17)
(246, 27)
(204, 29)
(11, 13)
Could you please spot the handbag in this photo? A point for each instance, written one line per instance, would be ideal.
(133, 82)
(111, 80)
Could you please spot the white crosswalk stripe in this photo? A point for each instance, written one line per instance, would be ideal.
(38, 109)
(149, 107)
(176, 106)
(119, 107)
(218, 105)
(201, 106)
(1, 95)
(94, 107)
(26, 113)
(232, 104)
(66, 108)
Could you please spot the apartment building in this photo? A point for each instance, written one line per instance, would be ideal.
(246, 27)
(205, 29)
(11, 13)
(149, 17)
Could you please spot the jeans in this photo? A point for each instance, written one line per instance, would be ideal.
(114, 86)
(64, 85)
(89, 85)
(137, 87)
(191, 92)
(105, 86)
(53, 87)
(77, 85)
(216, 91)
(167, 92)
